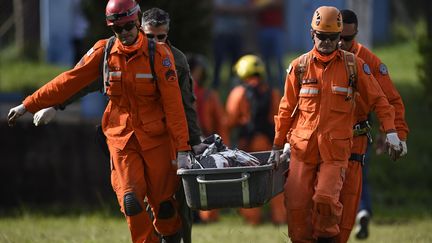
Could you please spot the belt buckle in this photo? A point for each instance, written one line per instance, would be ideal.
(363, 158)
(357, 126)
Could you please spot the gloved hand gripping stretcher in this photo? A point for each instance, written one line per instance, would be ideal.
(225, 178)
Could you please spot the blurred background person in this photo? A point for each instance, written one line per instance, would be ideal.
(79, 30)
(271, 39)
(230, 21)
(250, 108)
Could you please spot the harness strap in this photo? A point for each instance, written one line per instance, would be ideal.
(105, 68)
(358, 158)
(351, 70)
(300, 70)
(152, 48)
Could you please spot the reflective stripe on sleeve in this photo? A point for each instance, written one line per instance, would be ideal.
(115, 74)
(143, 75)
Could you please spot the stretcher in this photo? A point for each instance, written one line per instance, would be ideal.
(233, 187)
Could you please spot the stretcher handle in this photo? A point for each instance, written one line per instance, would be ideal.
(200, 179)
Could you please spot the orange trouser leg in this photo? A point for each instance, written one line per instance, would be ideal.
(134, 172)
(162, 183)
(350, 199)
(351, 190)
(278, 211)
(298, 192)
(327, 210)
(251, 215)
(209, 215)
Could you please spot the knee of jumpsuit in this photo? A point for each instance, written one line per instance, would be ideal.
(326, 215)
(167, 221)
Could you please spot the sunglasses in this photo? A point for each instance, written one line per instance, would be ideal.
(323, 37)
(159, 37)
(128, 27)
(348, 37)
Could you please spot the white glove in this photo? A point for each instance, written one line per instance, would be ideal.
(15, 113)
(287, 148)
(274, 157)
(394, 145)
(44, 116)
(184, 160)
(404, 148)
(286, 152)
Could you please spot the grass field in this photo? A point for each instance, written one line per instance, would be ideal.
(96, 228)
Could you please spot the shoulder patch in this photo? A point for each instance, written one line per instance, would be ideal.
(366, 69)
(289, 69)
(166, 62)
(383, 69)
(170, 75)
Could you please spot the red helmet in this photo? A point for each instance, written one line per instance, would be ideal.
(120, 12)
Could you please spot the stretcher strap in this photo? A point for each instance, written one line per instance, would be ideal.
(245, 192)
(203, 195)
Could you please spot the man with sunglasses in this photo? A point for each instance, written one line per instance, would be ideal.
(155, 24)
(315, 116)
(355, 182)
(144, 122)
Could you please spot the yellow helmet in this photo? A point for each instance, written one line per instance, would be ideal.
(327, 19)
(248, 66)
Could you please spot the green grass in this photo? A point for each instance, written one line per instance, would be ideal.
(230, 229)
(18, 74)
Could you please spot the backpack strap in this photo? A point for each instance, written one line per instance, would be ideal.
(351, 70)
(152, 50)
(301, 67)
(300, 70)
(105, 69)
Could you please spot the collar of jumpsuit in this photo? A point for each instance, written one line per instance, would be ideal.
(354, 46)
(134, 47)
(324, 58)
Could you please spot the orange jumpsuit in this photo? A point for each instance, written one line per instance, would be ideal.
(318, 115)
(351, 189)
(212, 119)
(239, 111)
(144, 123)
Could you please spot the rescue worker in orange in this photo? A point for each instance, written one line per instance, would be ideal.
(352, 187)
(211, 114)
(315, 116)
(250, 109)
(144, 121)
